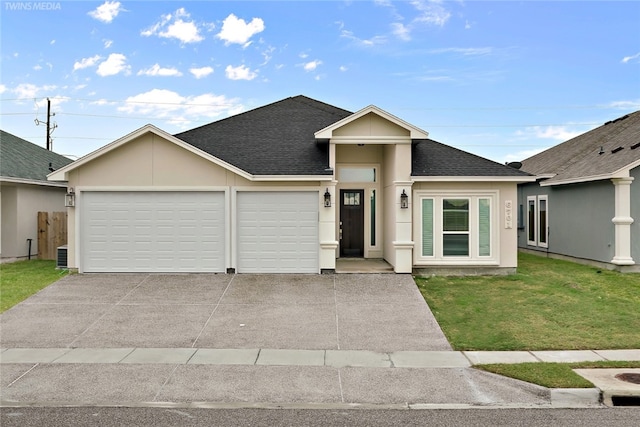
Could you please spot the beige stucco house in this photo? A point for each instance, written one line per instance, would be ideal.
(290, 187)
(25, 191)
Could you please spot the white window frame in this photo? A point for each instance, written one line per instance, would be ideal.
(536, 221)
(474, 257)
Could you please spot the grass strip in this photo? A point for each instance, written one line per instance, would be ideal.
(552, 375)
(19, 280)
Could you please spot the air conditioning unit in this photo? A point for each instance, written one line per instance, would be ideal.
(61, 257)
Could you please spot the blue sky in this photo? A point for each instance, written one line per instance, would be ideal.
(501, 79)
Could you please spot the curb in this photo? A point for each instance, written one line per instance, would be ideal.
(575, 397)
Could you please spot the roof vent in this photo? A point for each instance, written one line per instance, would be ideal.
(601, 150)
(617, 120)
(615, 150)
(515, 165)
(636, 145)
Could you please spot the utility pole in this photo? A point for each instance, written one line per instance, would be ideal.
(50, 127)
(48, 121)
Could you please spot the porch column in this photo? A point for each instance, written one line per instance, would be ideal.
(327, 229)
(403, 243)
(622, 221)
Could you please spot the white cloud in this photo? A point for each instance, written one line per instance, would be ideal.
(107, 43)
(465, 51)
(3, 88)
(241, 72)
(181, 110)
(373, 41)
(29, 90)
(157, 70)
(401, 31)
(116, 63)
(86, 62)
(627, 59)
(312, 65)
(343, 68)
(37, 67)
(625, 105)
(107, 12)
(174, 26)
(201, 72)
(431, 12)
(557, 133)
(52, 42)
(236, 30)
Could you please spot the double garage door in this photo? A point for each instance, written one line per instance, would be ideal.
(163, 231)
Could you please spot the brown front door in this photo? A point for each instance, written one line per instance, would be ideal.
(352, 223)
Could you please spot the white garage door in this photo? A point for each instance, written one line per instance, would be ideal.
(152, 231)
(277, 232)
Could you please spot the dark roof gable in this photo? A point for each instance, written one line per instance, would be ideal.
(276, 139)
(22, 159)
(432, 158)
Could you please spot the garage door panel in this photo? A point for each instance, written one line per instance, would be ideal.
(277, 232)
(153, 232)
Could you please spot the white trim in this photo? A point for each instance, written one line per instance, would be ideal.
(32, 182)
(473, 178)
(623, 172)
(544, 244)
(473, 258)
(370, 140)
(414, 132)
(535, 221)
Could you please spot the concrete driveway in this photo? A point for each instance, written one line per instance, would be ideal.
(331, 341)
(377, 312)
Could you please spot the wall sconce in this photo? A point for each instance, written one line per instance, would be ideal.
(70, 198)
(327, 199)
(404, 200)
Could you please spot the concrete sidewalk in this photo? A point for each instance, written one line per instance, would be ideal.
(291, 357)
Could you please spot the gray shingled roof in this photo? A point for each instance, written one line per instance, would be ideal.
(25, 160)
(276, 139)
(432, 158)
(594, 153)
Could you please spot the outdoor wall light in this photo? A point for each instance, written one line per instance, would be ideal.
(327, 199)
(404, 200)
(70, 198)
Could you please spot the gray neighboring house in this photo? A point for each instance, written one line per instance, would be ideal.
(585, 203)
(24, 190)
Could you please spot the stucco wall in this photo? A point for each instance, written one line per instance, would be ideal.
(20, 206)
(580, 220)
(370, 125)
(635, 214)
(507, 238)
(152, 162)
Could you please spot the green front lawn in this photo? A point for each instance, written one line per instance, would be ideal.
(19, 280)
(548, 305)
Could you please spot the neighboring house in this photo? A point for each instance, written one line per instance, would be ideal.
(24, 191)
(290, 187)
(585, 203)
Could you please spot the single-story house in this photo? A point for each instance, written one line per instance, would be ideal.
(24, 191)
(585, 202)
(290, 187)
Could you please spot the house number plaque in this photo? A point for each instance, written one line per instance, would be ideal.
(508, 214)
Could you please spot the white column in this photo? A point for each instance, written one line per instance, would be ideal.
(327, 224)
(403, 243)
(622, 221)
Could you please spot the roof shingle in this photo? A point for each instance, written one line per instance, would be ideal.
(22, 159)
(592, 154)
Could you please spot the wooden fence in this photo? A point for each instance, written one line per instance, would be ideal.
(52, 232)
